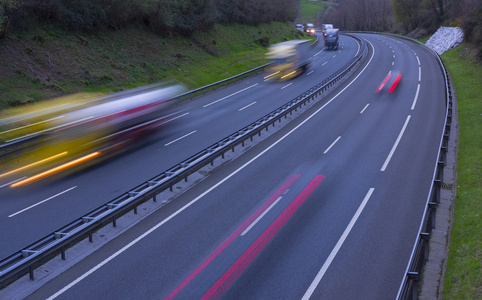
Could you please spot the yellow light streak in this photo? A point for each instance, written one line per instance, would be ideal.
(271, 75)
(35, 164)
(289, 74)
(55, 170)
(29, 125)
(42, 131)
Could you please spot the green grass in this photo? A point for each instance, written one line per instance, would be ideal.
(423, 40)
(309, 10)
(463, 277)
(48, 62)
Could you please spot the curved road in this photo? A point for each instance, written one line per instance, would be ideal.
(30, 213)
(328, 207)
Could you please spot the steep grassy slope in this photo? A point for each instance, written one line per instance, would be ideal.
(48, 62)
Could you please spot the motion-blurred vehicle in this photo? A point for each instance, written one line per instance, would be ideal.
(331, 39)
(325, 27)
(300, 27)
(288, 59)
(41, 143)
(310, 28)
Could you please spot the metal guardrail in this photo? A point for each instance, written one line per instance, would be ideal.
(11, 147)
(224, 82)
(409, 287)
(26, 260)
(17, 145)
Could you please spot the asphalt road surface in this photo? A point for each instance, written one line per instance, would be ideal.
(328, 207)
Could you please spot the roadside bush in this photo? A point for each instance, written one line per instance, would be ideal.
(80, 14)
(164, 16)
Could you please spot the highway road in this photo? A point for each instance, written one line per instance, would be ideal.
(328, 207)
(31, 212)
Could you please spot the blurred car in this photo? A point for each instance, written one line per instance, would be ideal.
(326, 27)
(78, 133)
(300, 27)
(288, 60)
(310, 28)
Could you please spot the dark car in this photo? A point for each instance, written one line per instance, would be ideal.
(331, 39)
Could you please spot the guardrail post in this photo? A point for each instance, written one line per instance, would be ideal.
(425, 236)
(413, 277)
(62, 253)
(30, 271)
(90, 236)
(436, 192)
(432, 206)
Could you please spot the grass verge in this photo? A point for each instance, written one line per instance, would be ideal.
(310, 10)
(48, 62)
(463, 277)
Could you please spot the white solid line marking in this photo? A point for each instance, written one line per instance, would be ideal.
(261, 216)
(180, 116)
(231, 95)
(21, 127)
(247, 106)
(384, 167)
(418, 60)
(366, 106)
(126, 247)
(337, 247)
(416, 97)
(287, 85)
(53, 128)
(50, 198)
(12, 182)
(332, 144)
(181, 138)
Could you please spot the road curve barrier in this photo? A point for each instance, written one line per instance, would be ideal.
(409, 287)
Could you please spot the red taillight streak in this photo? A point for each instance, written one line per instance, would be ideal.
(233, 236)
(383, 83)
(240, 265)
(394, 85)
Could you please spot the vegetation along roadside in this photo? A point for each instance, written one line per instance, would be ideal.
(463, 276)
(48, 61)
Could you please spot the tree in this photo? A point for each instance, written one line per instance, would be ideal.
(6, 8)
(406, 13)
